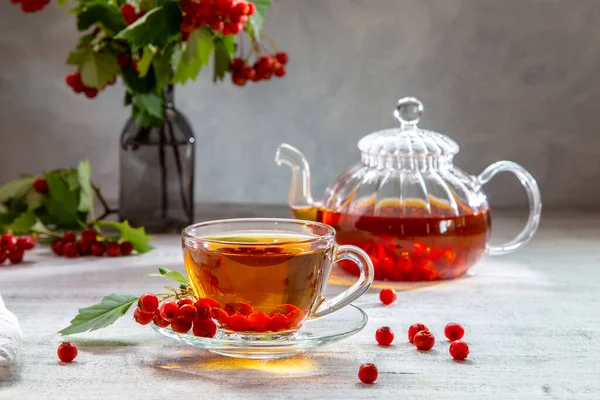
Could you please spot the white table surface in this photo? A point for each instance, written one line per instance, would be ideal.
(532, 320)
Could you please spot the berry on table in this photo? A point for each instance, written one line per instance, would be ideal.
(57, 247)
(8, 242)
(69, 237)
(459, 350)
(98, 249)
(113, 249)
(384, 336)
(142, 317)
(25, 243)
(88, 236)
(181, 326)
(15, 255)
(414, 329)
(148, 302)
(69, 249)
(424, 340)
(368, 373)
(126, 248)
(188, 313)
(40, 185)
(204, 328)
(66, 352)
(454, 331)
(169, 311)
(387, 296)
(2, 257)
(83, 248)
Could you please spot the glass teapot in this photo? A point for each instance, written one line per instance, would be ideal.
(417, 216)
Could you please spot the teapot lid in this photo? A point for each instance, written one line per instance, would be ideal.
(408, 141)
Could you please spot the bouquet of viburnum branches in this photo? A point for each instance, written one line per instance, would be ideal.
(154, 43)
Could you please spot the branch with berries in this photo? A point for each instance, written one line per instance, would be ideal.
(153, 44)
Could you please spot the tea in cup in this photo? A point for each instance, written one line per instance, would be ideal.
(268, 276)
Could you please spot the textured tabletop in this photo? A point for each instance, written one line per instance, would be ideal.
(532, 320)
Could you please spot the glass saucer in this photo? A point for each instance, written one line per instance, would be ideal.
(312, 334)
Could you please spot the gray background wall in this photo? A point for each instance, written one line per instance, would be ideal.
(510, 79)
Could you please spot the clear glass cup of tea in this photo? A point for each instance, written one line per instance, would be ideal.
(267, 275)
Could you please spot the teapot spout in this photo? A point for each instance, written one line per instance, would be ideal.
(299, 196)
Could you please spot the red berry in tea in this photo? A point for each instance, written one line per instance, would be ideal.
(259, 321)
(188, 313)
(126, 248)
(180, 326)
(454, 331)
(459, 350)
(424, 340)
(414, 329)
(219, 315)
(204, 328)
(237, 323)
(66, 352)
(238, 307)
(148, 302)
(384, 336)
(367, 373)
(113, 250)
(40, 185)
(387, 296)
(169, 310)
(142, 317)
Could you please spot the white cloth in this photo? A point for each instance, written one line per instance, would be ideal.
(10, 337)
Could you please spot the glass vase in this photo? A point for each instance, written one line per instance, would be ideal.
(157, 172)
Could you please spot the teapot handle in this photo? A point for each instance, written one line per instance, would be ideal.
(535, 204)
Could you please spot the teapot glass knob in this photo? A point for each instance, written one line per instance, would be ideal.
(408, 111)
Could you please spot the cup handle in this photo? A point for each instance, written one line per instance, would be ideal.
(535, 204)
(363, 284)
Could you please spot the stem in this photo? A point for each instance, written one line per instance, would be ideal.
(179, 168)
(271, 42)
(163, 174)
(107, 210)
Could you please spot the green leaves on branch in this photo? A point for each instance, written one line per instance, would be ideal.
(100, 315)
(136, 236)
(101, 13)
(158, 27)
(97, 68)
(257, 20)
(190, 57)
(173, 275)
(224, 48)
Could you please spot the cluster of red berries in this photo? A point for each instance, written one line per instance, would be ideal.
(423, 339)
(88, 245)
(14, 247)
(227, 16)
(129, 14)
(263, 69)
(30, 6)
(75, 82)
(66, 352)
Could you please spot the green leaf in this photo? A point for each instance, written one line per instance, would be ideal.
(27, 223)
(33, 199)
(173, 275)
(158, 27)
(223, 54)
(62, 3)
(193, 56)
(80, 56)
(145, 61)
(101, 315)
(146, 120)
(61, 202)
(104, 14)
(257, 20)
(151, 103)
(86, 193)
(99, 69)
(136, 236)
(161, 65)
(16, 189)
(137, 84)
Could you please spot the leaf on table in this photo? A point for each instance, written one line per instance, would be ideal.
(86, 193)
(104, 14)
(159, 26)
(224, 49)
(16, 189)
(136, 236)
(258, 19)
(100, 315)
(189, 60)
(151, 103)
(61, 202)
(26, 223)
(173, 275)
(99, 69)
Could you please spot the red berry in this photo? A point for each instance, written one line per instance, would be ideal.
(126, 248)
(142, 317)
(158, 321)
(247, 72)
(113, 249)
(2, 257)
(90, 93)
(88, 236)
(384, 336)
(57, 247)
(66, 352)
(70, 250)
(387, 296)
(424, 340)
(69, 237)
(15, 255)
(368, 373)
(220, 315)
(40, 185)
(282, 57)
(26, 243)
(279, 70)
(459, 350)
(8, 242)
(185, 300)
(181, 326)
(204, 328)
(217, 25)
(237, 64)
(238, 79)
(454, 331)
(251, 8)
(203, 309)
(83, 248)
(259, 321)
(98, 249)
(127, 11)
(414, 329)
(241, 8)
(169, 311)
(148, 302)
(124, 60)
(188, 313)
(238, 323)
